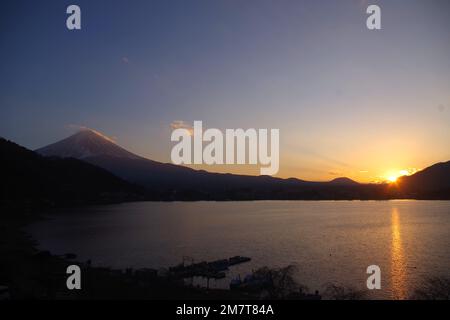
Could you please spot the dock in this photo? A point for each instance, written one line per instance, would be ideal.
(210, 270)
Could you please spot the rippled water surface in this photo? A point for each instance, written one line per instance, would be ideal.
(327, 241)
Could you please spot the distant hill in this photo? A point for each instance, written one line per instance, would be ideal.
(165, 181)
(432, 182)
(343, 181)
(30, 179)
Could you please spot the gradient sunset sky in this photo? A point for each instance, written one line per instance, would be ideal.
(348, 101)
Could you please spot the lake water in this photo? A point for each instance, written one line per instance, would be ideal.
(328, 241)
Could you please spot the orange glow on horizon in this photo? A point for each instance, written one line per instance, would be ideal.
(393, 179)
(393, 175)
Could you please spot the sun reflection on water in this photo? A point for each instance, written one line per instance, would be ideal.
(398, 264)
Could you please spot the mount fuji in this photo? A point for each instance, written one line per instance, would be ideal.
(86, 144)
(162, 179)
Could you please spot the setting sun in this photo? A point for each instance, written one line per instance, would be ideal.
(392, 176)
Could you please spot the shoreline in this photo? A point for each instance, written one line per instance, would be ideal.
(30, 273)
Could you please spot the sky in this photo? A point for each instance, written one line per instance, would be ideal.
(348, 101)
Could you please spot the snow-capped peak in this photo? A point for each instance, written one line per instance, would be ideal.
(84, 144)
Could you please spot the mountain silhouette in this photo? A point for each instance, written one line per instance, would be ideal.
(432, 182)
(162, 179)
(343, 181)
(84, 144)
(165, 181)
(30, 179)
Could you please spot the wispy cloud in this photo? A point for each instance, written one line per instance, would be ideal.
(335, 173)
(180, 124)
(312, 153)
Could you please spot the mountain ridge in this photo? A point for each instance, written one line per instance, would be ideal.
(80, 145)
(427, 183)
(172, 182)
(84, 144)
(31, 179)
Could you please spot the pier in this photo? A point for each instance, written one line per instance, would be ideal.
(210, 270)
